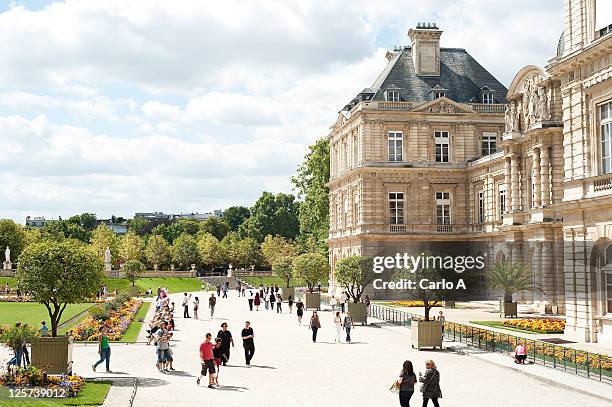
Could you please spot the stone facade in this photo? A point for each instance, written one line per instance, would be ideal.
(541, 195)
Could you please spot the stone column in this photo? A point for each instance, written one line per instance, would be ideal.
(507, 181)
(545, 175)
(537, 270)
(536, 178)
(548, 274)
(514, 179)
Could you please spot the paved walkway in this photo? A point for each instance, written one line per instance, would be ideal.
(289, 370)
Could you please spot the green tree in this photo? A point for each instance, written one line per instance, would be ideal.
(139, 225)
(58, 274)
(311, 185)
(132, 270)
(103, 237)
(354, 274)
(13, 236)
(283, 268)
(240, 252)
(185, 251)
(274, 247)
(310, 268)
(235, 216)
(210, 251)
(157, 251)
(511, 278)
(272, 215)
(215, 226)
(86, 220)
(130, 247)
(188, 226)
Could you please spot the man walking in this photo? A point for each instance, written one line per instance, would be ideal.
(226, 341)
(207, 359)
(248, 343)
(186, 306)
(348, 325)
(212, 301)
(343, 299)
(250, 300)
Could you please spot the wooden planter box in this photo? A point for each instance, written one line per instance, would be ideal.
(54, 355)
(426, 334)
(508, 309)
(313, 300)
(134, 291)
(359, 312)
(288, 291)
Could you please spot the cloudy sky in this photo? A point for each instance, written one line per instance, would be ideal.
(116, 106)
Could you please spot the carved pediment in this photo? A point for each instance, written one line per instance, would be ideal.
(443, 105)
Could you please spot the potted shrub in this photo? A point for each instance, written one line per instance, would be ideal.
(283, 268)
(511, 278)
(426, 332)
(57, 274)
(310, 268)
(15, 337)
(354, 274)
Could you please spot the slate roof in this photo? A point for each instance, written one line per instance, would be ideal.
(460, 74)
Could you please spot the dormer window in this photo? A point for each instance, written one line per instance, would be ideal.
(393, 96)
(438, 95)
(487, 95)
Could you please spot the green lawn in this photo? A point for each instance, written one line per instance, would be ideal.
(134, 329)
(92, 394)
(33, 313)
(174, 284)
(10, 280)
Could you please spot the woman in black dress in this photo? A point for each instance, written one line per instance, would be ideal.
(300, 310)
(290, 302)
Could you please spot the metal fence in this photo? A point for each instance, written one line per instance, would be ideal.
(582, 363)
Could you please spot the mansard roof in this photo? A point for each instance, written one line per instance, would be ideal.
(462, 77)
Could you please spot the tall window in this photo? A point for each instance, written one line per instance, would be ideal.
(346, 211)
(396, 146)
(338, 215)
(605, 114)
(502, 201)
(442, 146)
(355, 209)
(487, 98)
(443, 216)
(481, 207)
(608, 289)
(396, 208)
(393, 96)
(489, 143)
(355, 151)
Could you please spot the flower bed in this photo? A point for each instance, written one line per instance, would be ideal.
(543, 326)
(540, 350)
(117, 321)
(33, 377)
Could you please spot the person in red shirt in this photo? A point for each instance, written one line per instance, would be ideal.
(207, 359)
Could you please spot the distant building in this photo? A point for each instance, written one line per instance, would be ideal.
(38, 222)
(157, 216)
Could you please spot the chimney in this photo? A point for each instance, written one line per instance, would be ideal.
(425, 41)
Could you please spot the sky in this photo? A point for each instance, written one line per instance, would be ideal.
(116, 107)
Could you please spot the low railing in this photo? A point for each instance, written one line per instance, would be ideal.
(394, 105)
(488, 107)
(582, 363)
(603, 184)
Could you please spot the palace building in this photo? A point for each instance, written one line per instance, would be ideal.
(437, 149)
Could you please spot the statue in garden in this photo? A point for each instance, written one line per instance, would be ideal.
(7, 255)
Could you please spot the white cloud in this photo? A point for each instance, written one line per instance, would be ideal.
(116, 106)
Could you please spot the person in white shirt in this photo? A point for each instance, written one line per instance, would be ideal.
(343, 299)
(333, 302)
(338, 325)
